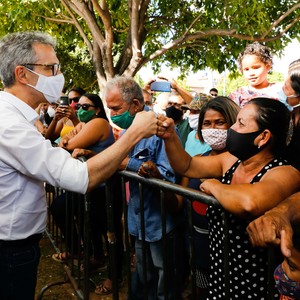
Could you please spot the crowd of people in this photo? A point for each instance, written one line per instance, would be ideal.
(241, 149)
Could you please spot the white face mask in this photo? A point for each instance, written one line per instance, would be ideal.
(215, 138)
(193, 121)
(51, 111)
(49, 86)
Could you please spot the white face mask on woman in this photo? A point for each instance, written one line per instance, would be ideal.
(50, 86)
(193, 121)
(215, 138)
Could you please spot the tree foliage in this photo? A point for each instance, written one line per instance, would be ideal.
(117, 37)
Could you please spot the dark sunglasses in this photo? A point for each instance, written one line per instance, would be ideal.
(75, 99)
(84, 106)
(214, 95)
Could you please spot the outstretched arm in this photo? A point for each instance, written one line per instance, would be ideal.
(248, 200)
(104, 164)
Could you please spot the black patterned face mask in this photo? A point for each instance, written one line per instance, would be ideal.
(241, 145)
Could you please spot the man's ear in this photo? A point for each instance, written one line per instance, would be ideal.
(21, 75)
(137, 104)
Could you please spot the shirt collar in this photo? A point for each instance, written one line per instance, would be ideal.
(28, 112)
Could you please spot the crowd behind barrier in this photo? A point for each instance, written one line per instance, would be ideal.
(82, 279)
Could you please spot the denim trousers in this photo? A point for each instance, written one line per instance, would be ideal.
(155, 282)
(18, 271)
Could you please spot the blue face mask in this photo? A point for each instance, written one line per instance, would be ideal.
(285, 285)
(123, 120)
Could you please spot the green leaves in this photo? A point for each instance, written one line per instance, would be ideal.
(189, 34)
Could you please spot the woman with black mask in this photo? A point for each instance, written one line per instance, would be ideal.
(255, 144)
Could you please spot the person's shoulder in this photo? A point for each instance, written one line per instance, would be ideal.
(192, 134)
(226, 159)
(240, 89)
(98, 122)
(285, 171)
(239, 94)
(276, 84)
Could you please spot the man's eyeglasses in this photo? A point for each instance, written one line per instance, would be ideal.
(75, 99)
(84, 106)
(213, 94)
(54, 67)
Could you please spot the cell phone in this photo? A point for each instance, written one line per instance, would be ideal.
(160, 86)
(64, 100)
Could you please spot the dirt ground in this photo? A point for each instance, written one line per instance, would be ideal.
(51, 271)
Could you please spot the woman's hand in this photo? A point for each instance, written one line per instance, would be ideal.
(60, 113)
(208, 186)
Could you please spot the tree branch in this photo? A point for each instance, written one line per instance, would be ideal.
(213, 32)
(106, 45)
(282, 17)
(78, 26)
(82, 10)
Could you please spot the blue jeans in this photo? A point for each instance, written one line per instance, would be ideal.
(18, 271)
(154, 269)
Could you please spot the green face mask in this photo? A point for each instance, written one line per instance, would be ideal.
(123, 120)
(85, 115)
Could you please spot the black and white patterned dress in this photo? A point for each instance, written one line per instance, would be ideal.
(248, 266)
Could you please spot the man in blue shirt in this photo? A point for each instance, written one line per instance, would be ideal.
(124, 98)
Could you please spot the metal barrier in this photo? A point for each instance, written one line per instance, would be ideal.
(81, 279)
(77, 276)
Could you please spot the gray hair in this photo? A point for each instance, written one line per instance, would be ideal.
(17, 49)
(128, 88)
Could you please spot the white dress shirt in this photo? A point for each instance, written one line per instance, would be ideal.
(27, 160)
